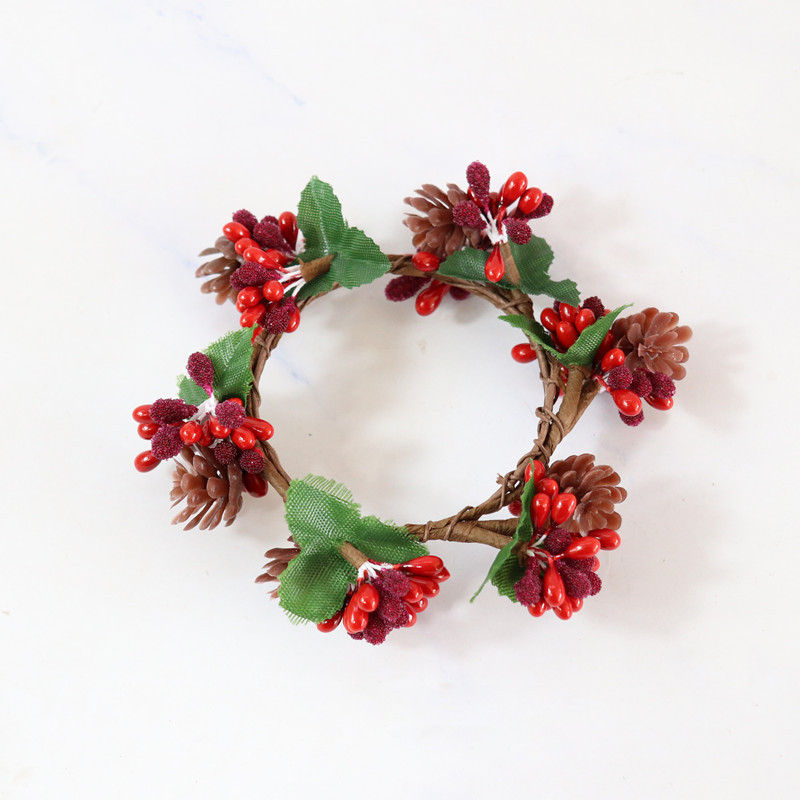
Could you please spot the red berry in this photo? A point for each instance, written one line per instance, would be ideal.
(513, 188)
(355, 618)
(605, 346)
(207, 438)
(540, 508)
(563, 507)
(429, 586)
(495, 267)
(443, 575)
(515, 507)
(567, 312)
(257, 331)
(253, 315)
(538, 609)
(609, 540)
(613, 358)
(237, 400)
(367, 597)
(287, 222)
(529, 201)
(576, 603)
(142, 413)
(255, 484)
(549, 487)
(583, 547)
(330, 624)
(243, 438)
(584, 319)
(273, 291)
(566, 334)
(424, 565)
(294, 321)
(260, 427)
(146, 461)
(428, 300)
(280, 258)
(414, 593)
(412, 617)
(249, 297)
(563, 611)
(420, 605)
(553, 586)
(536, 468)
(257, 255)
(425, 262)
(627, 402)
(217, 430)
(661, 403)
(549, 319)
(242, 245)
(191, 432)
(523, 353)
(147, 430)
(234, 231)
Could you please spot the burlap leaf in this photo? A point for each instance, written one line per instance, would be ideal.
(534, 331)
(314, 585)
(358, 260)
(190, 392)
(506, 569)
(386, 543)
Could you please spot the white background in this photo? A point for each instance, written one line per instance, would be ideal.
(142, 661)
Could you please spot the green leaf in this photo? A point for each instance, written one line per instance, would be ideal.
(506, 569)
(468, 264)
(322, 515)
(357, 259)
(190, 392)
(534, 331)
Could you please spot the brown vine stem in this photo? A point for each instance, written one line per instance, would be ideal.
(576, 393)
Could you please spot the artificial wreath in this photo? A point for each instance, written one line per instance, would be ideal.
(371, 576)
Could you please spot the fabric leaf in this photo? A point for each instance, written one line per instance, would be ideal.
(190, 392)
(314, 585)
(382, 542)
(585, 346)
(358, 260)
(534, 331)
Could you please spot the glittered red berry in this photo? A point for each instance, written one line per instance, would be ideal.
(355, 618)
(146, 461)
(567, 312)
(217, 430)
(262, 429)
(553, 586)
(540, 509)
(367, 597)
(423, 565)
(147, 430)
(428, 300)
(243, 438)
(523, 353)
(583, 547)
(549, 319)
(627, 402)
(255, 484)
(425, 262)
(191, 432)
(529, 201)
(513, 188)
(584, 319)
(234, 231)
(249, 297)
(142, 413)
(287, 222)
(661, 403)
(242, 245)
(609, 540)
(273, 291)
(563, 507)
(253, 315)
(331, 624)
(613, 358)
(566, 334)
(495, 267)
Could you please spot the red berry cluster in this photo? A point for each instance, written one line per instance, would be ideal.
(628, 389)
(560, 566)
(566, 323)
(388, 598)
(263, 278)
(431, 295)
(504, 214)
(160, 424)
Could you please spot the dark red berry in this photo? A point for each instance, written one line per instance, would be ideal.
(166, 443)
(167, 411)
(663, 385)
(633, 421)
(251, 461)
(201, 370)
(544, 208)
(404, 287)
(230, 414)
(619, 378)
(226, 452)
(244, 217)
(641, 384)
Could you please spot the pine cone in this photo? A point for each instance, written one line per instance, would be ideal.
(652, 339)
(222, 267)
(435, 232)
(213, 492)
(279, 558)
(596, 488)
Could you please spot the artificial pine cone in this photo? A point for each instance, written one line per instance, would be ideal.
(434, 231)
(222, 267)
(596, 488)
(212, 492)
(279, 558)
(652, 339)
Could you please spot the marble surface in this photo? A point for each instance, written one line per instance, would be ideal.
(142, 661)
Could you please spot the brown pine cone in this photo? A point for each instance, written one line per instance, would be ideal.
(212, 492)
(222, 268)
(596, 488)
(652, 339)
(434, 231)
(279, 558)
